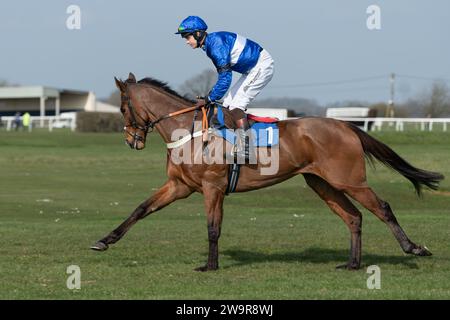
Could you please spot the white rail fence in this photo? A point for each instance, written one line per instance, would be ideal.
(50, 122)
(378, 124)
(399, 123)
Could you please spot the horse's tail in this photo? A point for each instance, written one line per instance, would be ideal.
(374, 148)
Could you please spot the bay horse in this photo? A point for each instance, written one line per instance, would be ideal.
(329, 153)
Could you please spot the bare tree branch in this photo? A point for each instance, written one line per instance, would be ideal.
(437, 103)
(199, 85)
(114, 98)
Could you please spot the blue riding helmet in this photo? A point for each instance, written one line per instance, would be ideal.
(192, 24)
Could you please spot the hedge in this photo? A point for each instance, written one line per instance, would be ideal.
(99, 122)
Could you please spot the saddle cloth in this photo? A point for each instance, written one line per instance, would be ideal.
(264, 131)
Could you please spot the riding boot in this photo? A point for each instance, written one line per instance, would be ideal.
(242, 143)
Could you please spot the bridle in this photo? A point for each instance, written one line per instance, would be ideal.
(149, 125)
(134, 123)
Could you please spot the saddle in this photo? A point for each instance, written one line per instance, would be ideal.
(264, 130)
(263, 133)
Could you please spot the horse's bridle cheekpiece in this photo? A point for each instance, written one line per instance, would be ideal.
(134, 124)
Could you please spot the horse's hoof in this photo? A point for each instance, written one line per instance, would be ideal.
(421, 251)
(348, 266)
(100, 246)
(205, 268)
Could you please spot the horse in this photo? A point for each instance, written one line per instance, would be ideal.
(329, 153)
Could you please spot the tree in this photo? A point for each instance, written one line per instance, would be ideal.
(379, 109)
(114, 98)
(297, 106)
(437, 103)
(199, 85)
(5, 83)
(413, 107)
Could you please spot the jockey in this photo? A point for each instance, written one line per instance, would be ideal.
(231, 52)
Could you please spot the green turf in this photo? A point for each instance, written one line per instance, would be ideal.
(62, 191)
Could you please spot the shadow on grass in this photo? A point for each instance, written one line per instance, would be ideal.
(317, 255)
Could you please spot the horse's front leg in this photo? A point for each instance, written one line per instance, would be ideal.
(214, 212)
(172, 190)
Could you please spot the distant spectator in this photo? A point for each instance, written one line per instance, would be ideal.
(26, 120)
(17, 121)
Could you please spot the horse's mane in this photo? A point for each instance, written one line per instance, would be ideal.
(164, 86)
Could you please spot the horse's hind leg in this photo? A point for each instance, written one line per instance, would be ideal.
(383, 211)
(342, 206)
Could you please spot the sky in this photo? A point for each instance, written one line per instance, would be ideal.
(323, 49)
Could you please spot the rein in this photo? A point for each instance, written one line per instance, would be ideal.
(151, 124)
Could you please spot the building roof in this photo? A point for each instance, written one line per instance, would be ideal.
(66, 100)
(35, 92)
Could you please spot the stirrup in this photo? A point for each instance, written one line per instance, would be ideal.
(242, 152)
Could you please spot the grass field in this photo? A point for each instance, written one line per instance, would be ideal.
(62, 191)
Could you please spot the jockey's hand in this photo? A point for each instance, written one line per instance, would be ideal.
(202, 102)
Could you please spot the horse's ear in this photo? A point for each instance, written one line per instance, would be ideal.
(131, 78)
(120, 85)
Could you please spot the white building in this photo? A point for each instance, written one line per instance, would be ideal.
(47, 101)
